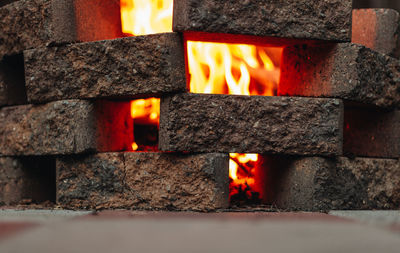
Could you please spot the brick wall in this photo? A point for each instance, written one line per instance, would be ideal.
(328, 140)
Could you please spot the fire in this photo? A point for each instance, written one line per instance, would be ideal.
(242, 170)
(145, 112)
(215, 68)
(141, 17)
(238, 69)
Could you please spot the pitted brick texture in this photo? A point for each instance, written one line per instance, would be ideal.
(316, 19)
(65, 127)
(125, 67)
(377, 29)
(147, 181)
(346, 71)
(242, 124)
(27, 24)
(313, 184)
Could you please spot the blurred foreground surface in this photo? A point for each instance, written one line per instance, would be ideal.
(124, 231)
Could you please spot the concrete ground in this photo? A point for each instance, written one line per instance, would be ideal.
(124, 231)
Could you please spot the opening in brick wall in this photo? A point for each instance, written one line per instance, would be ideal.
(233, 65)
(215, 64)
(146, 123)
(12, 77)
(27, 180)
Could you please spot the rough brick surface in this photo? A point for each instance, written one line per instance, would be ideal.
(27, 179)
(63, 127)
(125, 67)
(371, 133)
(317, 19)
(312, 184)
(143, 181)
(242, 124)
(345, 71)
(377, 29)
(35, 23)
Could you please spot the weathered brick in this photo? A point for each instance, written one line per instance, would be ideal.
(371, 133)
(143, 181)
(377, 29)
(347, 71)
(27, 179)
(243, 124)
(313, 184)
(125, 67)
(28, 24)
(12, 81)
(65, 127)
(322, 19)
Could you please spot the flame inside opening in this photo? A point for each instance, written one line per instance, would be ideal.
(146, 120)
(237, 69)
(215, 68)
(142, 17)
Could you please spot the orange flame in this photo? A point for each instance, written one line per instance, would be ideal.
(242, 170)
(238, 69)
(146, 112)
(141, 17)
(216, 68)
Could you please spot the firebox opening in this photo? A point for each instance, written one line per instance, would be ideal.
(146, 17)
(146, 121)
(12, 72)
(232, 66)
(35, 181)
(243, 169)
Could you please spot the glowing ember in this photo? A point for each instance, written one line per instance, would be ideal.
(145, 112)
(141, 17)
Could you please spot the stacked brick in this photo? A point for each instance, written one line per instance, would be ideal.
(65, 106)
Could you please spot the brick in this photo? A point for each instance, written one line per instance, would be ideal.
(371, 133)
(29, 24)
(27, 179)
(12, 81)
(346, 71)
(65, 127)
(125, 67)
(321, 184)
(377, 29)
(287, 18)
(243, 124)
(143, 181)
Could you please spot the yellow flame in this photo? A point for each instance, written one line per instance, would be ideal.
(146, 110)
(141, 17)
(234, 166)
(134, 146)
(222, 68)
